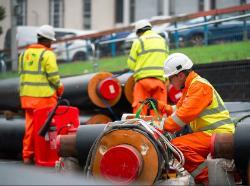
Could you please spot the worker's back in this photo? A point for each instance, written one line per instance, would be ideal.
(151, 50)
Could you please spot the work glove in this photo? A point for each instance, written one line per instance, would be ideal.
(60, 90)
(149, 102)
(159, 105)
(165, 108)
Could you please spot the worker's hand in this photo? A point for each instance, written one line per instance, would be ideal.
(164, 108)
(60, 91)
(149, 102)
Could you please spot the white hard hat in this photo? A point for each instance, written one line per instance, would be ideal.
(176, 63)
(141, 24)
(47, 31)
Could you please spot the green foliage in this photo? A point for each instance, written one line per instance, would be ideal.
(2, 16)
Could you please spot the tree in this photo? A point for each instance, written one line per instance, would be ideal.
(2, 16)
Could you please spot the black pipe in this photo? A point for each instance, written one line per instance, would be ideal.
(242, 146)
(9, 94)
(75, 91)
(85, 138)
(11, 137)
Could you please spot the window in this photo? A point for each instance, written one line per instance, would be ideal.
(171, 7)
(87, 14)
(160, 7)
(22, 12)
(132, 11)
(56, 9)
(119, 11)
(201, 5)
(213, 4)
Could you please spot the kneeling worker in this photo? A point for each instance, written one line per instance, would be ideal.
(201, 107)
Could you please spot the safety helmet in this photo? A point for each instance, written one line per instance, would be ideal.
(141, 24)
(176, 63)
(47, 32)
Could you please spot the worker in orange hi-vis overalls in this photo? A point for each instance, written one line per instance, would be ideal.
(39, 83)
(146, 59)
(200, 107)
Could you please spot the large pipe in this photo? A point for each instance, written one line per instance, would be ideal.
(83, 91)
(11, 137)
(128, 82)
(222, 145)
(12, 132)
(242, 146)
(79, 144)
(9, 94)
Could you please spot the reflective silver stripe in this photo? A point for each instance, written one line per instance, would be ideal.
(132, 59)
(142, 44)
(40, 61)
(52, 74)
(216, 110)
(153, 37)
(56, 85)
(39, 70)
(178, 120)
(34, 84)
(143, 51)
(216, 125)
(199, 169)
(174, 108)
(31, 72)
(167, 49)
(22, 62)
(151, 51)
(148, 68)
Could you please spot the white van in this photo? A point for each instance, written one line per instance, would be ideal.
(71, 51)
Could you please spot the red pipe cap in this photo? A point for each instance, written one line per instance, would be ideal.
(121, 164)
(109, 89)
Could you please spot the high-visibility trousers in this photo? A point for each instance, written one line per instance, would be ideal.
(145, 88)
(30, 104)
(195, 148)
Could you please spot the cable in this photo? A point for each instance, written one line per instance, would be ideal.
(242, 118)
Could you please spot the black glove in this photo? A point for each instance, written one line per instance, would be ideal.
(148, 102)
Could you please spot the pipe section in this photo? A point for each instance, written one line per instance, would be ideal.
(11, 137)
(83, 91)
(79, 144)
(242, 146)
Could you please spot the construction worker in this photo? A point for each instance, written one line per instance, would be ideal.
(146, 59)
(39, 83)
(200, 107)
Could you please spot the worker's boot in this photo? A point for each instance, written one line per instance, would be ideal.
(28, 161)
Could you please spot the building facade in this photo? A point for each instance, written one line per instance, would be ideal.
(101, 14)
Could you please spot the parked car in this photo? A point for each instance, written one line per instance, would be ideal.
(216, 33)
(113, 44)
(66, 51)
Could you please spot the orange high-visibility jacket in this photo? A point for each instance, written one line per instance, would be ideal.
(201, 107)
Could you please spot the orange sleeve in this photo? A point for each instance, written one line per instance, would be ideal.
(60, 90)
(198, 97)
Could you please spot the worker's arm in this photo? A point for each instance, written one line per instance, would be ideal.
(198, 97)
(52, 72)
(133, 55)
